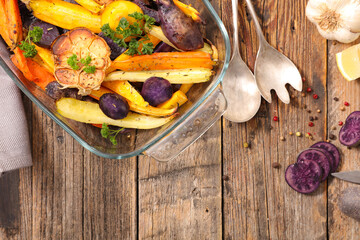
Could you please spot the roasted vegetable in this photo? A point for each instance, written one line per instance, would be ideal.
(116, 50)
(349, 134)
(55, 90)
(65, 15)
(148, 110)
(125, 89)
(188, 10)
(49, 34)
(186, 87)
(4, 24)
(114, 106)
(14, 24)
(180, 29)
(88, 112)
(164, 47)
(177, 99)
(81, 59)
(91, 5)
(166, 60)
(146, 8)
(190, 75)
(156, 90)
(46, 56)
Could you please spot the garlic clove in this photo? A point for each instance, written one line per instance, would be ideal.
(341, 34)
(350, 16)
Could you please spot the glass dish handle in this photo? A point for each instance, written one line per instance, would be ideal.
(191, 129)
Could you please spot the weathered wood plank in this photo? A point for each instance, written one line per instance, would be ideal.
(10, 201)
(258, 204)
(341, 226)
(181, 199)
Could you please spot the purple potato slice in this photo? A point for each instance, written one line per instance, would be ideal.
(114, 106)
(319, 157)
(156, 90)
(349, 134)
(331, 148)
(303, 176)
(180, 29)
(329, 156)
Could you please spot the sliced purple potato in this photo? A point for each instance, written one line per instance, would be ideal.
(329, 156)
(303, 176)
(350, 133)
(331, 148)
(319, 157)
(180, 29)
(50, 33)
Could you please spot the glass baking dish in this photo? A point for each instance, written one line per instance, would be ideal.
(206, 105)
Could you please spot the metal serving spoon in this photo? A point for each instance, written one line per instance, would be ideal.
(272, 69)
(239, 86)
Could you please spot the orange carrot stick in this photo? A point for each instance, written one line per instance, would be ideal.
(14, 22)
(21, 63)
(3, 23)
(42, 76)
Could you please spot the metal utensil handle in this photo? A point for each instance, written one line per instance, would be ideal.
(193, 127)
(256, 21)
(235, 25)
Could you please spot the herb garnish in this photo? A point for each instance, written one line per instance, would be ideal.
(135, 30)
(34, 35)
(106, 132)
(74, 63)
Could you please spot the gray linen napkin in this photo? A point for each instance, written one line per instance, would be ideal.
(14, 137)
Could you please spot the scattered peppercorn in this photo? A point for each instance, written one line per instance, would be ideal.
(308, 135)
(319, 111)
(303, 79)
(316, 118)
(275, 165)
(315, 96)
(291, 133)
(292, 96)
(246, 145)
(348, 147)
(275, 118)
(327, 140)
(333, 128)
(298, 134)
(340, 123)
(336, 99)
(282, 138)
(311, 119)
(304, 106)
(311, 124)
(303, 94)
(332, 136)
(346, 104)
(308, 89)
(309, 111)
(342, 108)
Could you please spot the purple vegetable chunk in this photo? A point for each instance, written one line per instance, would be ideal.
(319, 157)
(329, 156)
(156, 90)
(114, 106)
(180, 29)
(146, 7)
(163, 47)
(116, 50)
(50, 33)
(55, 90)
(350, 133)
(303, 176)
(331, 148)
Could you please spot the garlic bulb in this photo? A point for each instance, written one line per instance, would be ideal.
(335, 19)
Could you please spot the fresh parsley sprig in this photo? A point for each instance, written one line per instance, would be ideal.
(34, 35)
(106, 132)
(74, 63)
(135, 30)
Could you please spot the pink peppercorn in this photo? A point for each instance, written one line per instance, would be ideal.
(308, 89)
(340, 123)
(346, 104)
(275, 118)
(315, 96)
(311, 124)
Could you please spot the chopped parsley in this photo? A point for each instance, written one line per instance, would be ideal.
(135, 30)
(106, 132)
(34, 35)
(74, 63)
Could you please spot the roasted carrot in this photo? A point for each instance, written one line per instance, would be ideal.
(165, 60)
(188, 10)
(42, 76)
(125, 89)
(3, 24)
(154, 40)
(97, 125)
(177, 99)
(13, 22)
(21, 63)
(148, 110)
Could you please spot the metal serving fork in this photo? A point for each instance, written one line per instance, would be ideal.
(273, 70)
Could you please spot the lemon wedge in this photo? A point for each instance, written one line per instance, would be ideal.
(348, 62)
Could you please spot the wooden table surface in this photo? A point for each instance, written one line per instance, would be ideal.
(216, 188)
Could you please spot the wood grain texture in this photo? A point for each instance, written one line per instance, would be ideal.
(340, 225)
(258, 204)
(181, 199)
